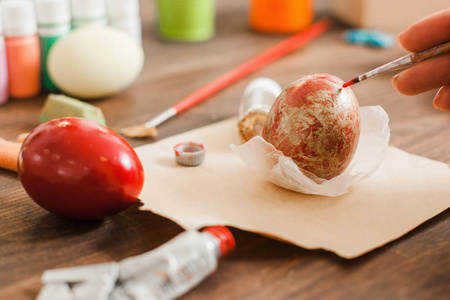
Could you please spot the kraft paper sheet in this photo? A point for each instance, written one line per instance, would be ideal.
(405, 191)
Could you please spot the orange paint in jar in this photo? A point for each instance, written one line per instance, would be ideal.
(24, 66)
(22, 48)
(281, 16)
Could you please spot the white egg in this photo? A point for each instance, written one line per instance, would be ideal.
(95, 62)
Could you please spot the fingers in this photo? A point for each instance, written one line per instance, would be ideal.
(433, 73)
(427, 75)
(426, 33)
(442, 99)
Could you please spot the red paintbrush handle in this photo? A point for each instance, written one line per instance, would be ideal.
(254, 64)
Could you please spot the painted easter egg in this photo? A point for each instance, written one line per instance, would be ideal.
(315, 122)
(79, 169)
(95, 62)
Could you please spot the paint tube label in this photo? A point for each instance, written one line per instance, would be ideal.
(168, 271)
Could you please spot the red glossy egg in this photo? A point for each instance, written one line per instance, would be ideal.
(316, 123)
(79, 169)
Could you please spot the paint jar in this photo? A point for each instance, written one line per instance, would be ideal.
(124, 15)
(175, 267)
(53, 17)
(88, 12)
(258, 98)
(186, 20)
(4, 88)
(22, 48)
(280, 16)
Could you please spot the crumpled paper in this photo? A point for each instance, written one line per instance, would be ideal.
(281, 170)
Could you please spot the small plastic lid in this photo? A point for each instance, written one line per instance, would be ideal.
(122, 9)
(264, 83)
(88, 9)
(19, 18)
(53, 11)
(190, 153)
(227, 243)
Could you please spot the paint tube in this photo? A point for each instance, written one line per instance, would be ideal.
(84, 282)
(174, 268)
(166, 272)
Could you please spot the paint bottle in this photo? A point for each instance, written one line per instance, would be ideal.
(124, 15)
(280, 16)
(22, 48)
(4, 88)
(53, 17)
(175, 267)
(259, 96)
(186, 20)
(88, 12)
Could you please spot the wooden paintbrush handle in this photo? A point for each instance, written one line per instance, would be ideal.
(9, 154)
(432, 52)
(254, 64)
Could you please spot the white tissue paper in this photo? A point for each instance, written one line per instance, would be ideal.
(281, 170)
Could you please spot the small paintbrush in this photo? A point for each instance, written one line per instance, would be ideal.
(402, 62)
(290, 44)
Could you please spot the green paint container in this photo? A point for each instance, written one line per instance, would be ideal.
(53, 17)
(46, 44)
(186, 20)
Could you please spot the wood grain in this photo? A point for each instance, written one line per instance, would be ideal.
(416, 266)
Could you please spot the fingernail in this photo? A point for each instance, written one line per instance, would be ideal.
(394, 80)
(436, 100)
(399, 37)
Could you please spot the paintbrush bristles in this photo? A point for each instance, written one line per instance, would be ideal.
(351, 82)
(348, 83)
(139, 131)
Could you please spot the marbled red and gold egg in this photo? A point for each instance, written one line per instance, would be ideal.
(315, 122)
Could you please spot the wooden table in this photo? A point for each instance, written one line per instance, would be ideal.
(416, 266)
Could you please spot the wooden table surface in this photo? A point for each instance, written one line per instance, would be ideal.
(416, 266)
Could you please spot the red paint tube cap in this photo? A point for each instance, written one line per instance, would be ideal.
(227, 242)
(189, 153)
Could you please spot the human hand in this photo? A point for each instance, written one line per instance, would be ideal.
(432, 73)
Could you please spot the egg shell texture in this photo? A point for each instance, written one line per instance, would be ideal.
(79, 169)
(95, 62)
(315, 122)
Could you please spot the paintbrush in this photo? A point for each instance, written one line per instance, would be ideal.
(402, 62)
(149, 129)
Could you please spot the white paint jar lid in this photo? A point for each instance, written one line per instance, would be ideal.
(122, 9)
(50, 12)
(88, 9)
(19, 18)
